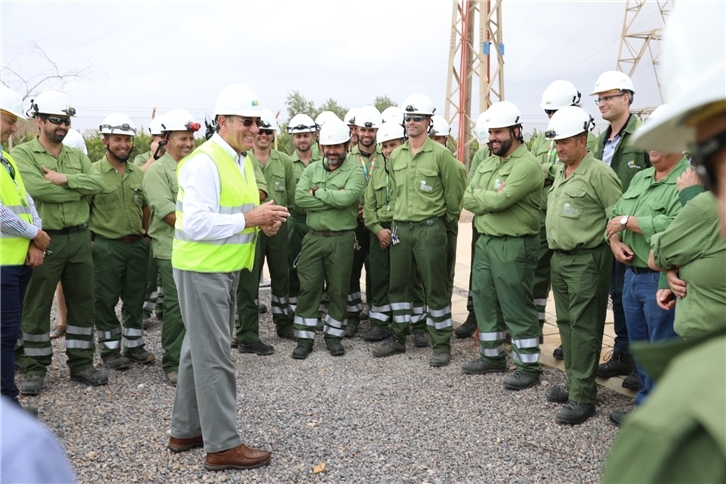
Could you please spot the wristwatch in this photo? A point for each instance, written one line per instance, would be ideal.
(624, 221)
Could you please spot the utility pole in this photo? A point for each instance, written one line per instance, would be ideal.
(472, 56)
(636, 40)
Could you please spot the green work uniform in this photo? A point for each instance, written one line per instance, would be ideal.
(427, 191)
(654, 203)
(64, 210)
(479, 156)
(368, 166)
(327, 250)
(161, 189)
(281, 184)
(627, 160)
(296, 230)
(579, 209)
(505, 195)
(141, 159)
(693, 243)
(679, 433)
(546, 153)
(452, 234)
(120, 257)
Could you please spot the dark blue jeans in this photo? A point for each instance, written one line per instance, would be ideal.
(646, 321)
(617, 278)
(14, 281)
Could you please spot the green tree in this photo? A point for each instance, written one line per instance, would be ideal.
(332, 105)
(383, 102)
(298, 104)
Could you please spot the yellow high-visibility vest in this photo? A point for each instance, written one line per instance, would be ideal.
(13, 248)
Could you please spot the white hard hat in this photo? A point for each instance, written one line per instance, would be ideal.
(180, 120)
(693, 72)
(117, 123)
(334, 132)
(74, 139)
(368, 117)
(301, 123)
(238, 100)
(502, 114)
(155, 126)
(350, 116)
(439, 126)
(418, 103)
(481, 130)
(51, 102)
(567, 122)
(613, 80)
(324, 117)
(392, 114)
(268, 121)
(558, 95)
(390, 130)
(11, 102)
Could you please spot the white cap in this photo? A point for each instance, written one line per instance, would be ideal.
(334, 132)
(390, 130)
(180, 120)
(324, 117)
(502, 114)
(53, 103)
(439, 126)
(301, 123)
(11, 102)
(238, 100)
(612, 80)
(74, 139)
(567, 122)
(268, 121)
(117, 123)
(418, 103)
(155, 126)
(558, 95)
(368, 117)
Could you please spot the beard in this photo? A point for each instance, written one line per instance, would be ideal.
(120, 158)
(503, 148)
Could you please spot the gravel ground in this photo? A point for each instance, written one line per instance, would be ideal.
(365, 419)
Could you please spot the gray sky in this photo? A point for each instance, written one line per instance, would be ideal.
(180, 55)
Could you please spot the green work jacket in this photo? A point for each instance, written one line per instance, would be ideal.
(367, 164)
(581, 204)
(141, 159)
(279, 177)
(118, 210)
(515, 210)
(430, 184)
(334, 206)
(628, 160)
(59, 206)
(298, 167)
(161, 188)
(378, 193)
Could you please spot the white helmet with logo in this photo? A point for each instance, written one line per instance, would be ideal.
(53, 103)
(567, 122)
(502, 114)
(334, 132)
(268, 121)
(155, 126)
(390, 130)
(694, 73)
(238, 100)
(324, 117)
(301, 123)
(558, 95)
(481, 130)
(74, 139)
(368, 117)
(611, 80)
(118, 123)
(11, 102)
(418, 103)
(180, 120)
(392, 114)
(350, 117)
(439, 126)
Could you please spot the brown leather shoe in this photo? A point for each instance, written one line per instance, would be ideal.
(182, 445)
(241, 457)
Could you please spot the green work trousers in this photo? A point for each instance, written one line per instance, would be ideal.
(120, 270)
(541, 288)
(503, 276)
(471, 317)
(297, 228)
(275, 250)
(420, 251)
(172, 328)
(154, 291)
(580, 282)
(360, 257)
(70, 263)
(452, 233)
(379, 260)
(324, 258)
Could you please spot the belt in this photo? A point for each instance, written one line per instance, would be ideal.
(329, 233)
(68, 230)
(129, 238)
(575, 251)
(642, 270)
(428, 221)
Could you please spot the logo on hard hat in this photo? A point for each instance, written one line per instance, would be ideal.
(255, 103)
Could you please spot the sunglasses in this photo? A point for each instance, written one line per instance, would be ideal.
(268, 132)
(702, 151)
(550, 112)
(247, 122)
(417, 119)
(58, 120)
(606, 99)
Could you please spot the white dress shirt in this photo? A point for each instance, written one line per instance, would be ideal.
(199, 178)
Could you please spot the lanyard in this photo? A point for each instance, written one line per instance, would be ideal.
(11, 173)
(373, 167)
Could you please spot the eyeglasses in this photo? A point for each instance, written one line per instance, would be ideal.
(122, 127)
(702, 151)
(606, 99)
(550, 112)
(58, 120)
(415, 118)
(267, 131)
(247, 122)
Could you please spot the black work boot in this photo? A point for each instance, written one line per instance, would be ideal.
(558, 354)
(302, 351)
(618, 364)
(575, 413)
(468, 328)
(632, 381)
(335, 347)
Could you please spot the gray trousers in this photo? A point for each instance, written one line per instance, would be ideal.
(206, 393)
